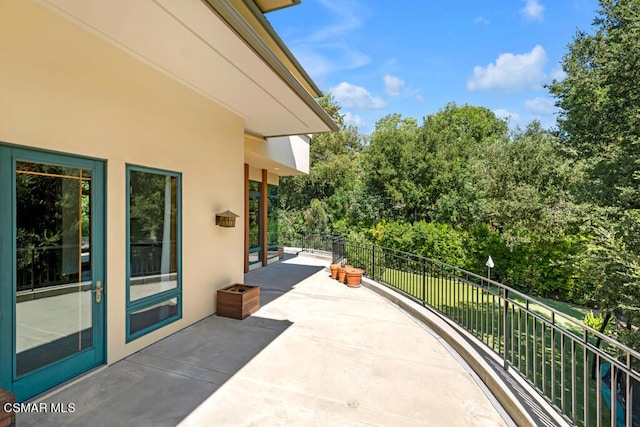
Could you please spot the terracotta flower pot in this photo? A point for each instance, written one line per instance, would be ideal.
(342, 272)
(354, 277)
(334, 270)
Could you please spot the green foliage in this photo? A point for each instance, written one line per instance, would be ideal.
(593, 321)
(481, 242)
(432, 240)
(599, 99)
(600, 126)
(325, 195)
(630, 338)
(427, 172)
(610, 264)
(386, 168)
(316, 219)
(452, 144)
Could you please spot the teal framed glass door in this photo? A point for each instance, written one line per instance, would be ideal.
(255, 223)
(52, 299)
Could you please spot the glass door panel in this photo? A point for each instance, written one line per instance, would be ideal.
(255, 243)
(53, 253)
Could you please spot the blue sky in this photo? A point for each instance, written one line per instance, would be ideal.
(379, 57)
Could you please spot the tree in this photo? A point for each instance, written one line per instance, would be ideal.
(599, 100)
(385, 166)
(425, 173)
(524, 192)
(332, 174)
(600, 123)
(525, 185)
(452, 141)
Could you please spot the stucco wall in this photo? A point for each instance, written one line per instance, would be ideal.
(63, 89)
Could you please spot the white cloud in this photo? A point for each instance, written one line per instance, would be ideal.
(351, 96)
(481, 20)
(421, 100)
(511, 72)
(540, 105)
(533, 10)
(558, 74)
(393, 85)
(506, 115)
(354, 119)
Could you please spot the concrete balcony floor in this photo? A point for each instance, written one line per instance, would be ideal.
(316, 353)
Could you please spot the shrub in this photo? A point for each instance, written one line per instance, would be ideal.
(593, 321)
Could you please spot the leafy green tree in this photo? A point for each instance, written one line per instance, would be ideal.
(331, 178)
(525, 185)
(386, 168)
(600, 124)
(425, 173)
(611, 263)
(599, 100)
(316, 219)
(451, 143)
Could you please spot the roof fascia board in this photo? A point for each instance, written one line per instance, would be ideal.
(278, 45)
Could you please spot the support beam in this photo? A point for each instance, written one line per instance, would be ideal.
(265, 215)
(246, 218)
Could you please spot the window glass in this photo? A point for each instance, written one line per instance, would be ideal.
(272, 226)
(152, 234)
(255, 250)
(53, 264)
(254, 186)
(148, 317)
(153, 237)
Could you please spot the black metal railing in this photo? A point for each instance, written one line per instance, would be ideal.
(40, 267)
(589, 377)
(318, 243)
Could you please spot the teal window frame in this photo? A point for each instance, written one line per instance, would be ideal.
(164, 296)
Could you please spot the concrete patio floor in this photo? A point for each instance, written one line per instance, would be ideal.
(316, 353)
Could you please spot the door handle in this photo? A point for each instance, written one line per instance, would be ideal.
(98, 291)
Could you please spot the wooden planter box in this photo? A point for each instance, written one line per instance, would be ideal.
(238, 301)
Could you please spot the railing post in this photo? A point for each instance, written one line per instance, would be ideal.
(373, 261)
(424, 285)
(504, 329)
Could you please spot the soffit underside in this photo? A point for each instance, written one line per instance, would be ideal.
(190, 43)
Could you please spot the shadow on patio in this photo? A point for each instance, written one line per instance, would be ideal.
(316, 353)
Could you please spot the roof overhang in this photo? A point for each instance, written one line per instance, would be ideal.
(282, 156)
(221, 49)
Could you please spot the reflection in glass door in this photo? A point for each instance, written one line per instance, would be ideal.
(52, 311)
(53, 264)
(255, 219)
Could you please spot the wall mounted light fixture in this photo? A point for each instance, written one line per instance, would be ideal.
(226, 219)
